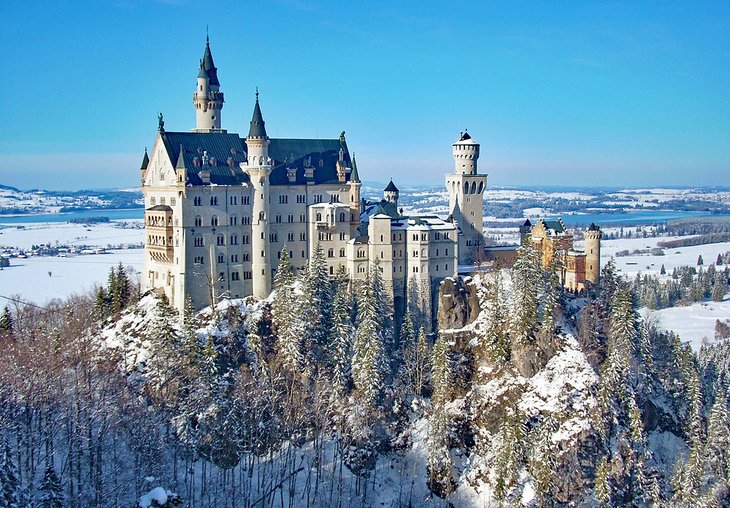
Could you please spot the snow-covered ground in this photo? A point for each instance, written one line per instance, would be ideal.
(29, 278)
(695, 323)
(110, 233)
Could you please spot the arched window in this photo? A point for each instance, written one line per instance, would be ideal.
(319, 217)
(331, 253)
(198, 221)
(473, 187)
(481, 187)
(466, 187)
(214, 220)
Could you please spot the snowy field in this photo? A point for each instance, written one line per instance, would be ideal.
(695, 323)
(29, 279)
(112, 233)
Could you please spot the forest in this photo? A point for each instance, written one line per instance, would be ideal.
(520, 394)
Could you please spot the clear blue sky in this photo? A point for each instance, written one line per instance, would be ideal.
(606, 93)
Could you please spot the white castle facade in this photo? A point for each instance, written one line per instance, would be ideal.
(219, 209)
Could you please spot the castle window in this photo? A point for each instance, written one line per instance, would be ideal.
(234, 239)
(246, 275)
(382, 254)
(246, 220)
(446, 253)
(234, 200)
(317, 198)
(246, 200)
(330, 253)
(415, 269)
(381, 238)
(214, 220)
(342, 253)
(220, 259)
(303, 255)
(342, 217)
(437, 268)
(319, 217)
(415, 253)
(342, 236)
(198, 221)
(283, 199)
(332, 270)
(197, 200)
(245, 240)
(290, 237)
(232, 220)
(213, 200)
(221, 240)
(446, 267)
(481, 187)
(466, 187)
(234, 258)
(273, 237)
(198, 241)
(198, 260)
(278, 219)
(263, 255)
(246, 257)
(290, 218)
(234, 276)
(437, 252)
(302, 236)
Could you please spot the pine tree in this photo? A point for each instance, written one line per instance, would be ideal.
(316, 310)
(287, 320)
(510, 451)
(9, 483)
(525, 286)
(6, 320)
(440, 478)
(602, 488)
(50, 490)
(367, 355)
(543, 460)
(663, 271)
(341, 340)
(717, 451)
(719, 260)
(496, 340)
(719, 288)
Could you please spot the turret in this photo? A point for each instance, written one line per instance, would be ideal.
(466, 196)
(145, 163)
(391, 193)
(466, 153)
(208, 99)
(258, 168)
(355, 186)
(592, 240)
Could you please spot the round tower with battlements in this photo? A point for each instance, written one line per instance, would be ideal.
(258, 167)
(207, 98)
(592, 239)
(466, 197)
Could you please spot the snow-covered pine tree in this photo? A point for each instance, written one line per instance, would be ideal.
(6, 321)
(316, 310)
(602, 485)
(543, 460)
(509, 455)
(51, 492)
(367, 358)
(383, 311)
(719, 288)
(440, 476)
(340, 342)
(496, 339)
(525, 288)
(717, 449)
(287, 322)
(9, 483)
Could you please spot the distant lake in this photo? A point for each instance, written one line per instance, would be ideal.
(631, 218)
(127, 213)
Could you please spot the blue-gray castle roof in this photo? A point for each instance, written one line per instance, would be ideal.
(226, 151)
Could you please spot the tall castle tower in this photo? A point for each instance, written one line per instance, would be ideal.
(592, 239)
(259, 168)
(208, 99)
(466, 196)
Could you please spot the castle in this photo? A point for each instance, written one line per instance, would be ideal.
(219, 210)
(552, 241)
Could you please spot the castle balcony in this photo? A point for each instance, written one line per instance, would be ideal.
(159, 232)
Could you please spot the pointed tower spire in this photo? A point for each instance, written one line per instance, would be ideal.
(181, 159)
(208, 99)
(354, 176)
(258, 127)
(145, 160)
